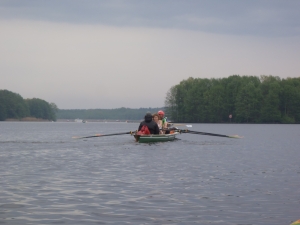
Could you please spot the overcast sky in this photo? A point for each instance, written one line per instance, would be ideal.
(84, 54)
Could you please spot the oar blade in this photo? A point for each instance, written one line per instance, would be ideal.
(96, 135)
(235, 136)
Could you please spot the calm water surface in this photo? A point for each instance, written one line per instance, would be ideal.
(46, 177)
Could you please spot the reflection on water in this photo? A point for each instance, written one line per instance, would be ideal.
(49, 178)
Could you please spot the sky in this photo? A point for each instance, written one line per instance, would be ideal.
(87, 54)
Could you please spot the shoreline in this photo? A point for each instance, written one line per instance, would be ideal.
(27, 119)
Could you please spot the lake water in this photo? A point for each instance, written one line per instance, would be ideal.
(46, 177)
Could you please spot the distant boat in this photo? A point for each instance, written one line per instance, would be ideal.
(78, 120)
(84, 121)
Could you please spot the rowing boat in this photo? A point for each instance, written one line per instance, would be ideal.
(155, 137)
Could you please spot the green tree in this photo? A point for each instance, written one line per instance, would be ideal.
(248, 104)
(41, 109)
(214, 100)
(250, 99)
(290, 100)
(270, 111)
(232, 86)
(13, 105)
(54, 107)
(108, 114)
(2, 112)
(170, 103)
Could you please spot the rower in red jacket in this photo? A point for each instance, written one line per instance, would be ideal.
(148, 126)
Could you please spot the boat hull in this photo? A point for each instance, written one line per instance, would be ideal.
(155, 138)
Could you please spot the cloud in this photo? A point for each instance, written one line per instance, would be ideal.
(266, 18)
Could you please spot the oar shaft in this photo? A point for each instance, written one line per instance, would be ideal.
(209, 134)
(105, 135)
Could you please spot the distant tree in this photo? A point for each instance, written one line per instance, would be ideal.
(199, 92)
(13, 105)
(290, 100)
(54, 107)
(170, 103)
(2, 112)
(214, 100)
(248, 104)
(108, 114)
(232, 86)
(250, 99)
(270, 111)
(41, 109)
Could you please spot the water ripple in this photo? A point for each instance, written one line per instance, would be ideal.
(48, 178)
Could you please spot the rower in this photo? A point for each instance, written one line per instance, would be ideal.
(148, 126)
(162, 117)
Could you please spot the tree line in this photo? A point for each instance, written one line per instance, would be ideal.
(248, 99)
(13, 106)
(105, 114)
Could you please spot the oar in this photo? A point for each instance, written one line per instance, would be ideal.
(210, 134)
(104, 135)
